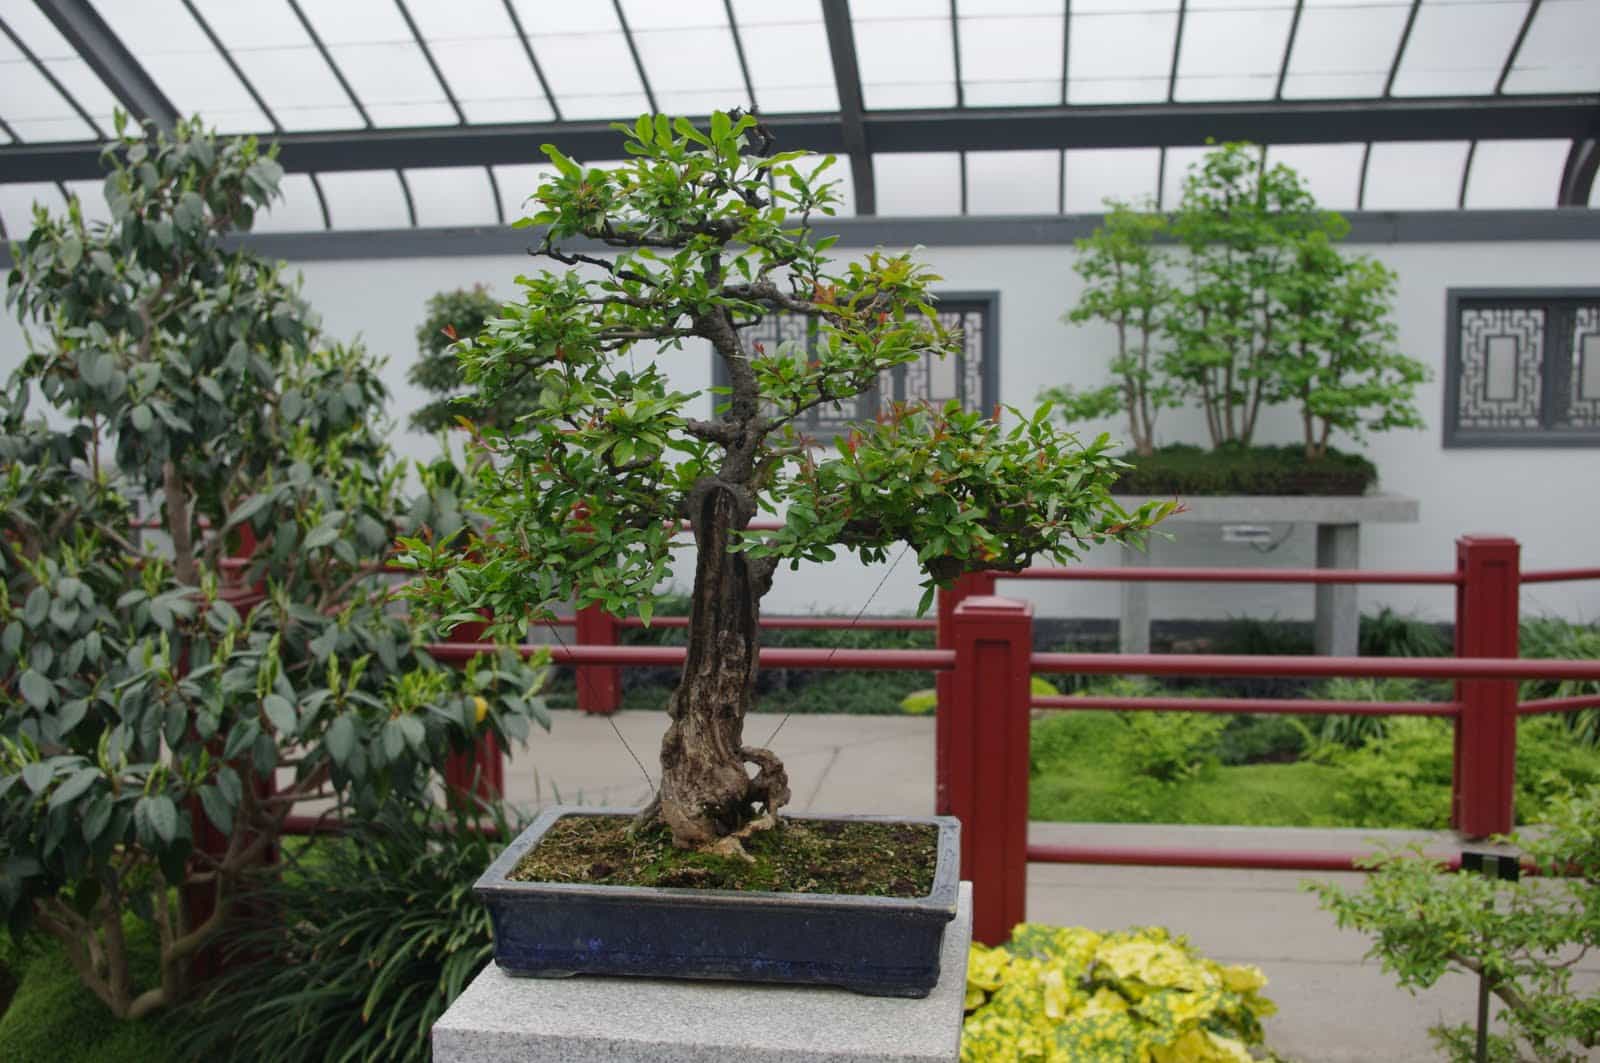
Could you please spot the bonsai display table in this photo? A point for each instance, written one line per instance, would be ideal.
(1338, 519)
(501, 1019)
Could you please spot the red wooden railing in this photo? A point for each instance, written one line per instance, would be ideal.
(984, 659)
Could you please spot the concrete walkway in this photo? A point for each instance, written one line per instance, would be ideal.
(1334, 1005)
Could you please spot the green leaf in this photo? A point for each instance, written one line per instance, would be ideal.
(416, 734)
(37, 689)
(280, 713)
(250, 507)
(160, 813)
(217, 808)
(37, 607)
(97, 816)
(340, 740)
(394, 739)
(76, 785)
(142, 418)
(36, 775)
(320, 536)
(567, 167)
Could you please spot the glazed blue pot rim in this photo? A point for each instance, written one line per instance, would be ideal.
(939, 902)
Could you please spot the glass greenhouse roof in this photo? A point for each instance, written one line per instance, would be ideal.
(937, 107)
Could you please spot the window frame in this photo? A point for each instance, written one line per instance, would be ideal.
(1547, 435)
(985, 302)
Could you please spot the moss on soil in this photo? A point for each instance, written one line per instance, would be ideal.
(1188, 470)
(799, 856)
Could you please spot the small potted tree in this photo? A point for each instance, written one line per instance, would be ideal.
(585, 497)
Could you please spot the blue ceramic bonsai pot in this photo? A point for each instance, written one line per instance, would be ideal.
(883, 946)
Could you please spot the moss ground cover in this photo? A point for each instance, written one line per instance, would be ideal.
(801, 856)
(52, 1016)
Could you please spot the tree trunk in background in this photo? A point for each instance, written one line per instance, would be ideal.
(707, 795)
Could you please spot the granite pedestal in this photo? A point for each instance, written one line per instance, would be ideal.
(1338, 520)
(500, 1019)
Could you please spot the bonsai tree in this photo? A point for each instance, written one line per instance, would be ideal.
(709, 238)
(452, 316)
(1240, 221)
(1125, 285)
(1261, 309)
(163, 713)
(1340, 363)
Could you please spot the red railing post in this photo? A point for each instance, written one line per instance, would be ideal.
(970, 585)
(1485, 768)
(481, 772)
(599, 685)
(988, 757)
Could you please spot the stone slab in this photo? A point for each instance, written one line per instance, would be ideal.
(1277, 509)
(500, 1019)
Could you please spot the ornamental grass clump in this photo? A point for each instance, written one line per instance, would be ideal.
(711, 233)
(1059, 994)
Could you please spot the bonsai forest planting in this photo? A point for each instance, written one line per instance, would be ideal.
(708, 231)
(1237, 301)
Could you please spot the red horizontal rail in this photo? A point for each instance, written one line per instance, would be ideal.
(803, 623)
(1560, 575)
(1283, 706)
(1539, 705)
(771, 657)
(1155, 574)
(1213, 664)
(1248, 859)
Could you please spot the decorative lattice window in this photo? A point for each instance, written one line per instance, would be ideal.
(1523, 368)
(970, 377)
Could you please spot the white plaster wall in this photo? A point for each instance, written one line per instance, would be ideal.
(1549, 499)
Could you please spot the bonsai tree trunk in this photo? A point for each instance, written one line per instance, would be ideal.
(707, 795)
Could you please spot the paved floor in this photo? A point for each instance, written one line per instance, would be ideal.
(1334, 1005)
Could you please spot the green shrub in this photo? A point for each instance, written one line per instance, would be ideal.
(1255, 739)
(1551, 638)
(1169, 746)
(1058, 993)
(924, 702)
(371, 942)
(1403, 777)
(1231, 470)
(1353, 731)
(1390, 634)
(1524, 935)
(1263, 638)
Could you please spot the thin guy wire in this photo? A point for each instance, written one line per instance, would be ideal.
(642, 769)
(857, 619)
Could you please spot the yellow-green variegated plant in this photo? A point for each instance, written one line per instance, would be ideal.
(1059, 994)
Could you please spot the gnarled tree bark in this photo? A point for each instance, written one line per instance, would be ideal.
(707, 794)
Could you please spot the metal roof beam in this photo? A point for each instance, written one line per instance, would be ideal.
(849, 128)
(1569, 117)
(1577, 176)
(106, 55)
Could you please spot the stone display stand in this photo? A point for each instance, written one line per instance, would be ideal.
(1338, 519)
(500, 1019)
